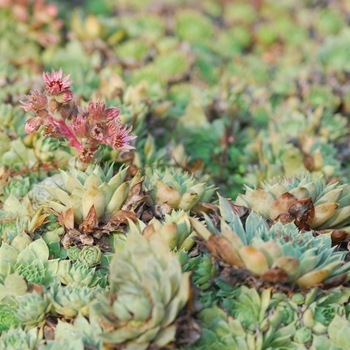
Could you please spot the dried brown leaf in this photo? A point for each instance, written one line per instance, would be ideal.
(206, 208)
(86, 240)
(224, 251)
(303, 211)
(282, 204)
(285, 218)
(66, 219)
(91, 221)
(136, 197)
(119, 218)
(275, 275)
(335, 281)
(337, 235)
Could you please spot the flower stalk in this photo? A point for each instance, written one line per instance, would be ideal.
(86, 130)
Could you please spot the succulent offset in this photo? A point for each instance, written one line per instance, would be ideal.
(325, 206)
(147, 291)
(278, 254)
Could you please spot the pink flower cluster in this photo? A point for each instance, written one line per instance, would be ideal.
(86, 130)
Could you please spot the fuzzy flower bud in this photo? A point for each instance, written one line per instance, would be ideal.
(56, 85)
(35, 101)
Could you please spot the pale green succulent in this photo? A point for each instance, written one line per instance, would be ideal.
(173, 65)
(90, 255)
(299, 257)
(194, 27)
(8, 317)
(150, 28)
(334, 51)
(18, 339)
(133, 50)
(19, 156)
(148, 73)
(177, 189)
(203, 270)
(73, 253)
(18, 186)
(331, 201)
(79, 335)
(32, 309)
(175, 229)
(12, 118)
(147, 154)
(77, 273)
(93, 187)
(270, 320)
(69, 300)
(147, 291)
(254, 329)
(32, 263)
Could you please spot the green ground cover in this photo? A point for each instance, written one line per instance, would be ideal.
(174, 174)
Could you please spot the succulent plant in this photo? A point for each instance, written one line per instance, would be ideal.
(142, 312)
(77, 273)
(268, 320)
(281, 253)
(79, 335)
(175, 229)
(8, 317)
(193, 27)
(71, 299)
(18, 339)
(223, 332)
(203, 270)
(177, 189)
(328, 203)
(90, 255)
(32, 309)
(93, 187)
(32, 263)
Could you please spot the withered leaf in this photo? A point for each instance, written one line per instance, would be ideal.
(285, 218)
(187, 330)
(303, 211)
(49, 332)
(336, 235)
(66, 219)
(275, 275)
(240, 210)
(309, 163)
(207, 208)
(148, 231)
(119, 218)
(86, 240)
(224, 251)
(136, 197)
(335, 281)
(39, 222)
(33, 287)
(282, 204)
(91, 221)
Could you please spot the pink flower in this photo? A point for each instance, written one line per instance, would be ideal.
(112, 113)
(96, 110)
(120, 140)
(98, 133)
(55, 84)
(64, 97)
(33, 124)
(35, 101)
(79, 127)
